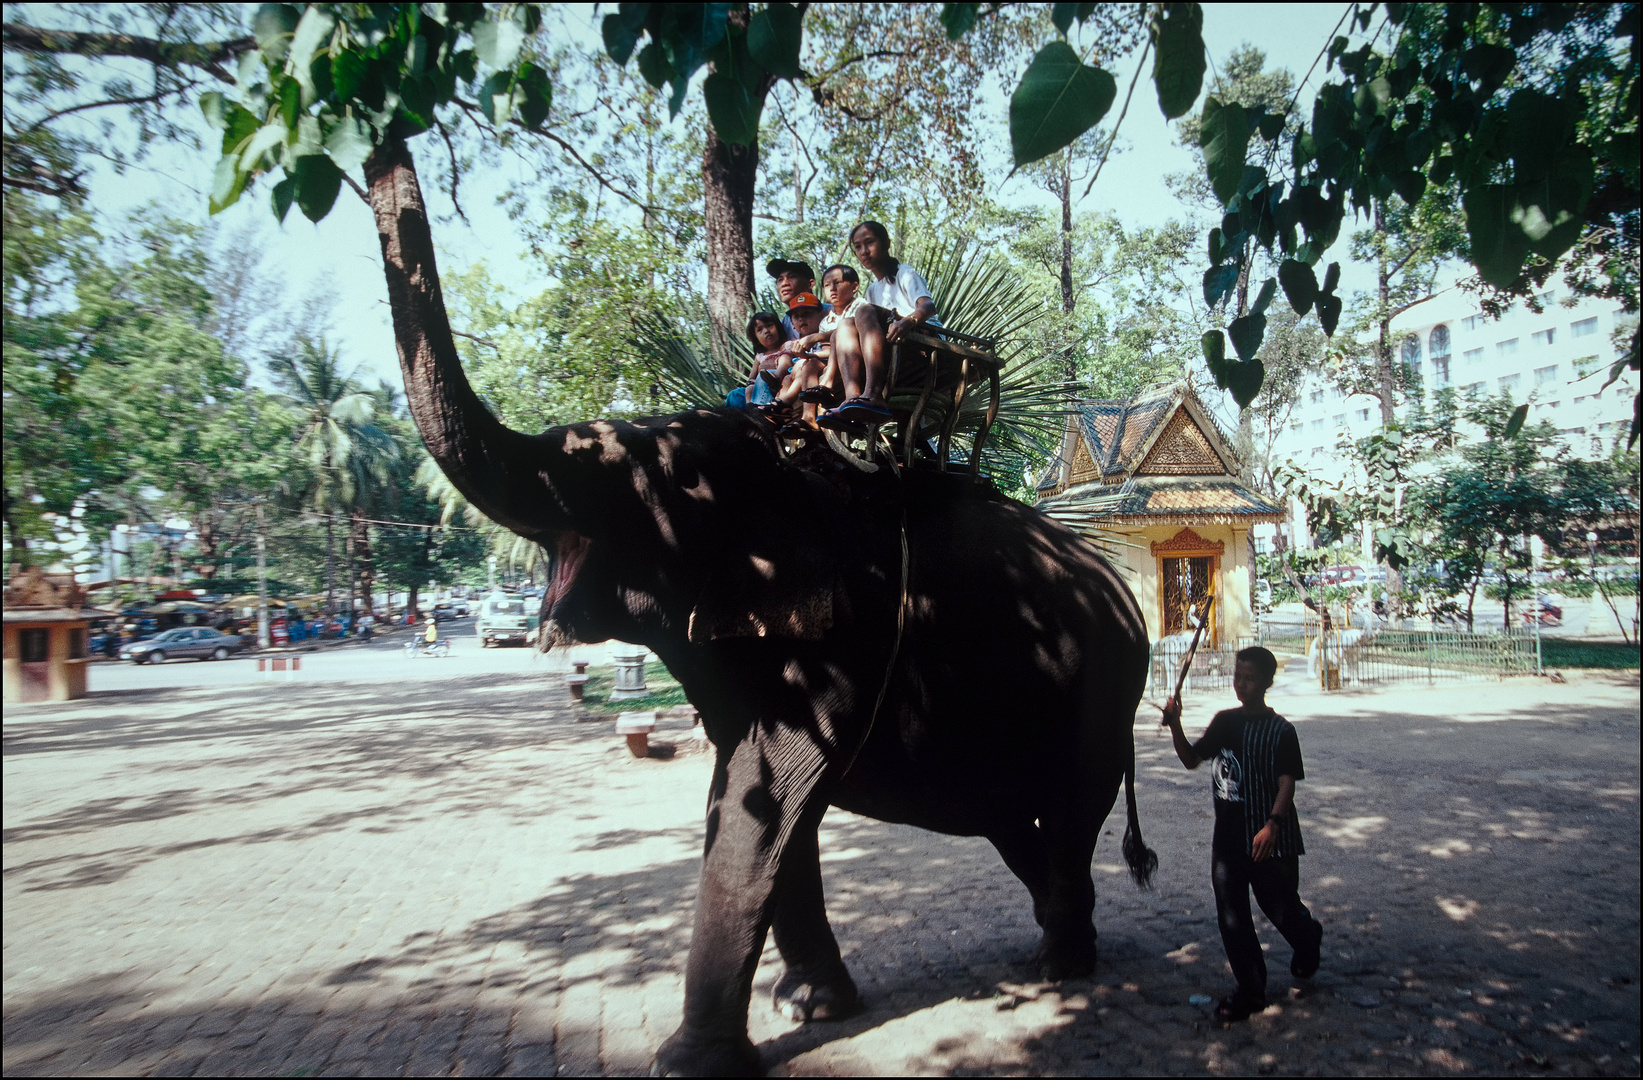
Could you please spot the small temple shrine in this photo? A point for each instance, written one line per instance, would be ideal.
(45, 622)
(1157, 474)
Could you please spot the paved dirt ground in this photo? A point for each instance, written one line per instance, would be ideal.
(455, 876)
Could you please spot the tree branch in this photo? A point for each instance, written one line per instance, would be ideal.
(474, 337)
(1120, 122)
(207, 57)
(456, 178)
(364, 198)
(145, 100)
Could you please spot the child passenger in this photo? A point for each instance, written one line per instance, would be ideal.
(770, 360)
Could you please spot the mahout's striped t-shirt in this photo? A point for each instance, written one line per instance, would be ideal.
(1247, 751)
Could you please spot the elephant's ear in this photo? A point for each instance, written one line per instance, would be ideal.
(771, 593)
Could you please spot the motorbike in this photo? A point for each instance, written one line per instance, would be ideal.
(1550, 614)
(417, 647)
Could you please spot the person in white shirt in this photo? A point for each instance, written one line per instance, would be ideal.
(898, 300)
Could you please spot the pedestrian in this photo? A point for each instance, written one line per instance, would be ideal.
(367, 626)
(1255, 758)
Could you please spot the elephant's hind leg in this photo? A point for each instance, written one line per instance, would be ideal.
(815, 985)
(1028, 857)
(1069, 925)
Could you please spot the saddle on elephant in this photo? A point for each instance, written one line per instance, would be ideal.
(936, 366)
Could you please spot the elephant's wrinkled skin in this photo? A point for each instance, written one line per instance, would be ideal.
(772, 590)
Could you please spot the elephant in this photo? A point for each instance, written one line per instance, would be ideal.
(905, 644)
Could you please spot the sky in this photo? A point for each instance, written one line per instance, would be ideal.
(341, 251)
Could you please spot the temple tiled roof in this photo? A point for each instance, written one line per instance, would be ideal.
(1167, 500)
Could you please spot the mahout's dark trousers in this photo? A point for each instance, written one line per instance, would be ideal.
(1276, 883)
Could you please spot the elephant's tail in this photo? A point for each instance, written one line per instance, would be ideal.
(1142, 859)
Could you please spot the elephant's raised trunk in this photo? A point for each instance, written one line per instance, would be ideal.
(490, 464)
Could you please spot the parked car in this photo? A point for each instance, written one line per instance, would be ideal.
(502, 618)
(200, 642)
(1343, 575)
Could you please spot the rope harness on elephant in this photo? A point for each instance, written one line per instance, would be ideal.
(901, 618)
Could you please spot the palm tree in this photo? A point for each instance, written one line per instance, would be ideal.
(346, 454)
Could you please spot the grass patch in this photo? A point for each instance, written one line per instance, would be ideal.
(665, 690)
(1564, 653)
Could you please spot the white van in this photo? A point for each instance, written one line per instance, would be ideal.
(502, 618)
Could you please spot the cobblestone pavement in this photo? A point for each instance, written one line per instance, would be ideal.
(457, 877)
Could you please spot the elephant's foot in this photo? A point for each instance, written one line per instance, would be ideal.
(803, 995)
(686, 1054)
(1067, 957)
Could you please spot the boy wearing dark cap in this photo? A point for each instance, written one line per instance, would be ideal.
(1255, 758)
(793, 276)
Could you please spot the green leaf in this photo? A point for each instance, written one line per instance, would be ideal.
(1263, 299)
(239, 126)
(535, 96)
(267, 138)
(1332, 278)
(349, 72)
(227, 182)
(290, 102)
(1178, 56)
(731, 110)
(272, 26)
(349, 143)
(1214, 344)
(774, 36)
(1058, 100)
(1514, 423)
(655, 66)
(312, 34)
(281, 197)
(1224, 136)
(620, 38)
(318, 180)
(1499, 245)
(498, 41)
(1063, 15)
(214, 107)
(305, 140)
(959, 18)
(496, 98)
(1329, 313)
(1410, 186)
(1247, 333)
(1244, 381)
(1218, 282)
(1300, 285)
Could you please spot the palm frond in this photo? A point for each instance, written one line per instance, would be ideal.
(684, 367)
(1092, 516)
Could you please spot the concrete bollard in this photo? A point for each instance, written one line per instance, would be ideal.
(637, 726)
(578, 685)
(267, 665)
(581, 666)
(630, 674)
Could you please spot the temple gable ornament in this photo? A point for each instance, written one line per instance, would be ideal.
(1181, 450)
(1187, 542)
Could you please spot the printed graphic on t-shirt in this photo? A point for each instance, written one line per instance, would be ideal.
(1228, 776)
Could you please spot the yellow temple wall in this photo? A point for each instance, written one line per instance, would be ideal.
(1141, 570)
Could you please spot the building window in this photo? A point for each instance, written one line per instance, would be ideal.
(1474, 388)
(1412, 351)
(1506, 348)
(1363, 414)
(1546, 297)
(1584, 327)
(1544, 375)
(1472, 322)
(1318, 424)
(1585, 366)
(1296, 426)
(1546, 336)
(34, 645)
(1341, 419)
(1439, 341)
(1317, 397)
(1440, 370)
(1547, 406)
(1505, 383)
(1473, 356)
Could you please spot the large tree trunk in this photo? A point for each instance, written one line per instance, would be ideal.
(728, 177)
(1383, 347)
(492, 466)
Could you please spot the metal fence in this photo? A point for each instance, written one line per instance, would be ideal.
(1353, 657)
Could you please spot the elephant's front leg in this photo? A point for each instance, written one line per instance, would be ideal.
(815, 984)
(762, 796)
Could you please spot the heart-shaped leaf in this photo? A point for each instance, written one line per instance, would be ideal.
(958, 18)
(1178, 56)
(281, 197)
(730, 109)
(620, 38)
(272, 26)
(1224, 136)
(1332, 277)
(1499, 245)
(227, 182)
(773, 38)
(1329, 313)
(1058, 100)
(1247, 333)
(349, 143)
(1300, 285)
(498, 41)
(318, 181)
(1514, 423)
(1214, 344)
(1263, 299)
(1218, 282)
(1244, 381)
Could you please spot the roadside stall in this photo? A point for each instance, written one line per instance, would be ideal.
(45, 623)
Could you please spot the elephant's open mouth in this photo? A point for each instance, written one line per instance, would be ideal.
(571, 550)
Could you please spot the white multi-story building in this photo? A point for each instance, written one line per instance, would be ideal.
(1557, 361)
